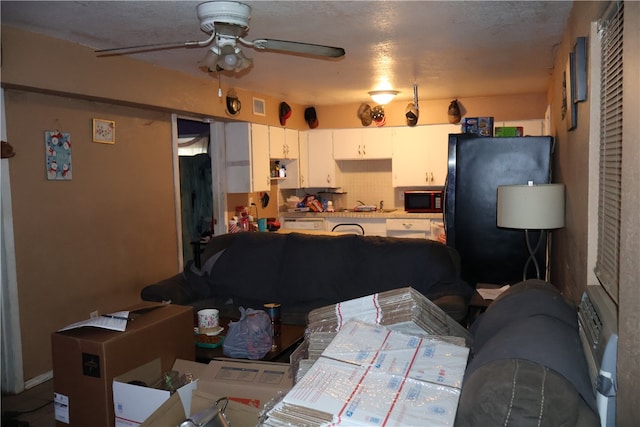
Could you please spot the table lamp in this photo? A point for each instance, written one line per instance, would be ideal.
(531, 207)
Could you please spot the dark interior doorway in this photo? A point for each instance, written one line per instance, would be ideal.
(196, 195)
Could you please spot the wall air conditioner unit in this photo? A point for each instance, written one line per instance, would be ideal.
(598, 325)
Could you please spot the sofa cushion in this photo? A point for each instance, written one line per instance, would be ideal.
(515, 392)
(174, 289)
(532, 323)
(315, 269)
(385, 263)
(249, 267)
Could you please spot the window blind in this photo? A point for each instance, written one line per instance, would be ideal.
(610, 184)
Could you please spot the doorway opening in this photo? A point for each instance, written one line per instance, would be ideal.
(196, 193)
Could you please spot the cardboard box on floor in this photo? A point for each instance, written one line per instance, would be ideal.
(249, 386)
(134, 403)
(85, 361)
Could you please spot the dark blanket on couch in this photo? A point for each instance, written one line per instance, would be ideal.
(304, 272)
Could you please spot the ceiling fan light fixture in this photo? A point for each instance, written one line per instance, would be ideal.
(228, 60)
(383, 97)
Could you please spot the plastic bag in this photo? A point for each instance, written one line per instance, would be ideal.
(249, 337)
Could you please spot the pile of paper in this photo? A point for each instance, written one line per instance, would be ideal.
(404, 310)
(370, 375)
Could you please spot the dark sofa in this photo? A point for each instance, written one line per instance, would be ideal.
(303, 272)
(527, 365)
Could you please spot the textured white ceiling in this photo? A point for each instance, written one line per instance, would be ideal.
(451, 49)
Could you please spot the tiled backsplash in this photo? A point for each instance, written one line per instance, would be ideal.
(368, 181)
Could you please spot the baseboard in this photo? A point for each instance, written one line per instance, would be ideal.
(40, 379)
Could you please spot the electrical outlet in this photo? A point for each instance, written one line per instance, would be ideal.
(401, 196)
(93, 314)
(250, 201)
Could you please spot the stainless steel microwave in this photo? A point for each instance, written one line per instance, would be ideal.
(424, 201)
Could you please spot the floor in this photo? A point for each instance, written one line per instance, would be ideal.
(32, 408)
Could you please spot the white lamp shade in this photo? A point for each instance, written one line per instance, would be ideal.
(533, 207)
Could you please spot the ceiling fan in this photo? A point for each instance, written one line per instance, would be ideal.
(227, 22)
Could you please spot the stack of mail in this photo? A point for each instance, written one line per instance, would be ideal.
(370, 375)
(404, 310)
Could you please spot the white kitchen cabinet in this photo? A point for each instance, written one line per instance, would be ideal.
(371, 226)
(420, 155)
(247, 157)
(303, 162)
(283, 143)
(408, 228)
(362, 144)
(323, 171)
(283, 146)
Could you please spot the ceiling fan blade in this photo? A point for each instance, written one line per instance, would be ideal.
(141, 48)
(154, 46)
(297, 47)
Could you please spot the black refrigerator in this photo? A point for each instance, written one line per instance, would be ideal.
(477, 166)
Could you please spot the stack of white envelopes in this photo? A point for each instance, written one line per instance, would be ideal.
(404, 310)
(370, 375)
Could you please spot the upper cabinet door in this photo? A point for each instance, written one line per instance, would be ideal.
(303, 163)
(291, 137)
(377, 142)
(283, 143)
(420, 155)
(322, 169)
(276, 143)
(362, 144)
(247, 157)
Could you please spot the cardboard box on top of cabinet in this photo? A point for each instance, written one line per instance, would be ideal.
(482, 126)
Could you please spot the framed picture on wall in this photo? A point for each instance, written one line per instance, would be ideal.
(580, 70)
(104, 131)
(570, 111)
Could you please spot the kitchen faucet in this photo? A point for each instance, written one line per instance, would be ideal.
(361, 202)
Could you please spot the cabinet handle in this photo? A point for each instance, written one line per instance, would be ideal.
(407, 225)
(426, 176)
(328, 179)
(359, 151)
(364, 150)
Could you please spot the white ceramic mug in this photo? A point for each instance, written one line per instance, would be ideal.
(208, 320)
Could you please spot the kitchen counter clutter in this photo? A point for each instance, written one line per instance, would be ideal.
(399, 213)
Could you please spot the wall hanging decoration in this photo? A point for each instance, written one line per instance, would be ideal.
(569, 111)
(104, 131)
(580, 70)
(58, 154)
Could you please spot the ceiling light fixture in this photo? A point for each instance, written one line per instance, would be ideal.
(383, 97)
(225, 55)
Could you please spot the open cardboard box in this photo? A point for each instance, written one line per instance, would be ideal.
(248, 385)
(133, 404)
(175, 410)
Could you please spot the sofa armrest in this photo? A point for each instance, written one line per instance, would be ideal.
(174, 289)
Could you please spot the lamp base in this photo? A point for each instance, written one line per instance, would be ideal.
(532, 254)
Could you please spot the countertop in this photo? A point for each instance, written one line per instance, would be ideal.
(371, 215)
